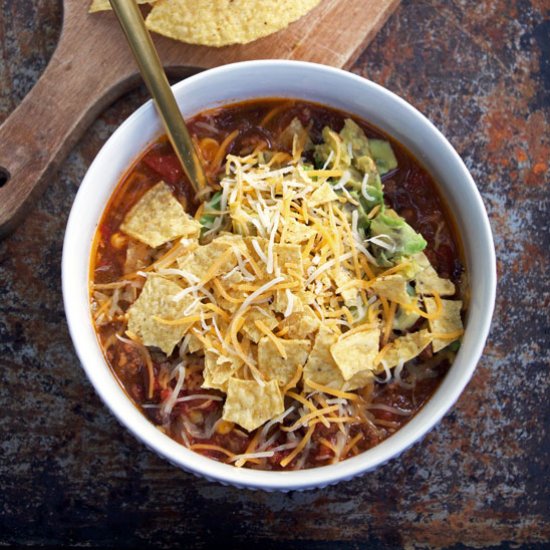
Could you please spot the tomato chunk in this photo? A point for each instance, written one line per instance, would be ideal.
(166, 165)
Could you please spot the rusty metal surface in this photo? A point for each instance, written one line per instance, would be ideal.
(70, 475)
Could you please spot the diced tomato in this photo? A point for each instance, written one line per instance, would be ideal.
(106, 231)
(167, 166)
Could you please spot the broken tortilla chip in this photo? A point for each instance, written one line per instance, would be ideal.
(258, 314)
(449, 322)
(289, 258)
(209, 260)
(428, 281)
(322, 195)
(222, 22)
(356, 353)
(251, 405)
(273, 366)
(302, 323)
(280, 302)
(405, 348)
(320, 366)
(322, 369)
(156, 300)
(158, 217)
(194, 343)
(297, 232)
(394, 288)
(218, 369)
(349, 294)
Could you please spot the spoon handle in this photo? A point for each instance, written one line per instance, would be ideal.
(131, 21)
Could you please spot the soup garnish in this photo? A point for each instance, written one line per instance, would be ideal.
(302, 313)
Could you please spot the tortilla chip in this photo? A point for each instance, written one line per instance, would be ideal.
(283, 254)
(280, 302)
(322, 369)
(405, 348)
(428, 281)
(222, 22)
(262, 243)
(320, 366)
(394, 288)
(199, 262)
(322, 195)
(227, 305)
(258, 314)
(358, 380)
(194, 343)
(449, 321)
(233, 278)
(274, 367)
(156, 300)
(236, 243)
(218, 369)
(343, 276)
(103, 5)
(289, 258)
(230, 239)
(251, 251)
(356, 353)
(301, 324)
(158, 218)
(297, 232)
(307, 297)
(251, 405)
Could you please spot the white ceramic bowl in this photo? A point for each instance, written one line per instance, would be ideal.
(324, 85)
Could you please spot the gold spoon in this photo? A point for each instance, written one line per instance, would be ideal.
(153, 74)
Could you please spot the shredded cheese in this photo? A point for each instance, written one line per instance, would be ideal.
(332, 391)
(276, 341)
(209, 447)
(288, 459)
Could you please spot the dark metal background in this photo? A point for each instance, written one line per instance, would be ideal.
(71, 475)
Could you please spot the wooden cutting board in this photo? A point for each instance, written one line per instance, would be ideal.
(92, 66)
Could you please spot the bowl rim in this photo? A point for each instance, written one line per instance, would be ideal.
(108, 388)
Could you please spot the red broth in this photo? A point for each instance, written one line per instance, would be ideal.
(196, 423)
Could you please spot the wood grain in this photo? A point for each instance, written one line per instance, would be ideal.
(92, 65)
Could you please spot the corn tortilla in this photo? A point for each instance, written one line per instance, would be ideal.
(223, 22)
